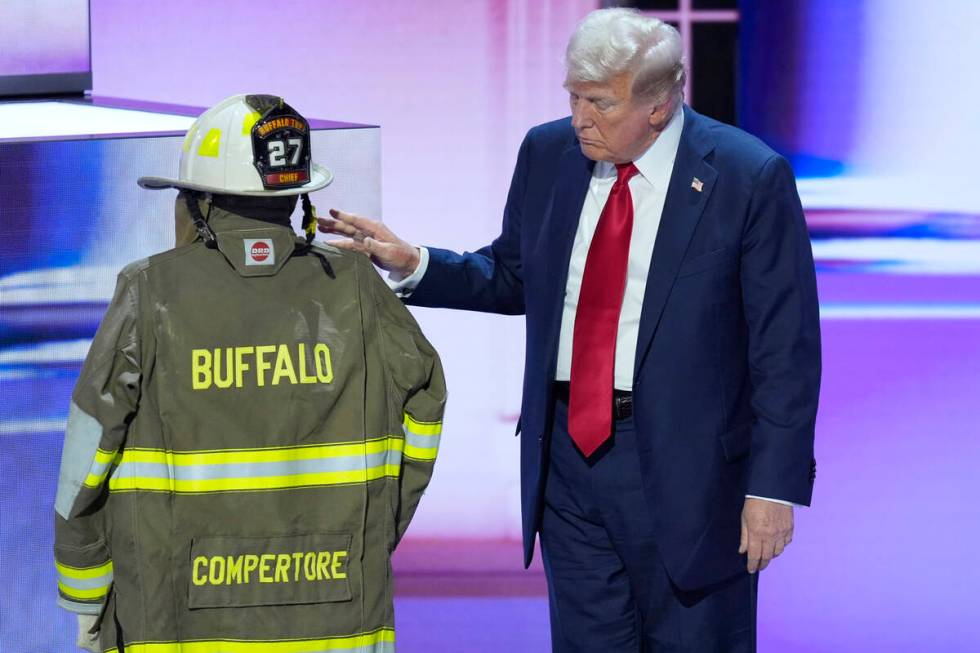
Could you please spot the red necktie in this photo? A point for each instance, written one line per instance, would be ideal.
(597, 318)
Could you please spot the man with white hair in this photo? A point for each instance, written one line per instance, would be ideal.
(673, 349)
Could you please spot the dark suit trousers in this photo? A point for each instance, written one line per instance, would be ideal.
(608, 590)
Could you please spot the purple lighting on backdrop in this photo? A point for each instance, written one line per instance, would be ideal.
(44, 36)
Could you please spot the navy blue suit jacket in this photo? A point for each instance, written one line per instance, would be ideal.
(727, 366)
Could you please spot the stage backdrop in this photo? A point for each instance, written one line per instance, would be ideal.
(872, 100)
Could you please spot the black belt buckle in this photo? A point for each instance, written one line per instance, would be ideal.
(622, 404)
(622, 400)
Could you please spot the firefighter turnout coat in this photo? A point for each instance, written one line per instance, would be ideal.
(247, 442)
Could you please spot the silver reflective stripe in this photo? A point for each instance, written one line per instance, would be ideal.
(380, 647)
(82, 437)
(394, 457)
(80, 608)
(86, 583)
(256, 469)
(422, 441)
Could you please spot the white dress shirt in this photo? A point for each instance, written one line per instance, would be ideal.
(649, 191)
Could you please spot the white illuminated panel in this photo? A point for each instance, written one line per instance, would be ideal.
(923, 192)
(46, 119)
(885, 311)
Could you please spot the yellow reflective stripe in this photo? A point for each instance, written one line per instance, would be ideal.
(250, 483)
(211, 144)
(355, 642)
(264, 455)
(81, 573)
(103, 456)
(249, 122)
(101, 466)
(84, 595)
(422, 428)
(95, 480)
(417, 453)
(268, 468)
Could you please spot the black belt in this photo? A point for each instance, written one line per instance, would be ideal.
(622, 400)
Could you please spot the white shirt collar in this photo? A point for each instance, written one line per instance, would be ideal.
(657, 162)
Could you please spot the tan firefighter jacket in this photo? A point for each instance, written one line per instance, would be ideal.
(248, 440)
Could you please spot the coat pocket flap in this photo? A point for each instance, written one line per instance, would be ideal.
(235, 571)
(703, 262)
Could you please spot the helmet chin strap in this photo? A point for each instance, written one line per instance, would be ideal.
(309, 227)
(200, 221)
(309, 218)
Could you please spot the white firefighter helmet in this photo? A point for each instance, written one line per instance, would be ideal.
(247, 145)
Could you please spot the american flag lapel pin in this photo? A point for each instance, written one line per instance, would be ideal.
(697, 184)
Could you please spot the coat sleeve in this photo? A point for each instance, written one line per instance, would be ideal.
(419, 388)
(103, 403)
(779, 295)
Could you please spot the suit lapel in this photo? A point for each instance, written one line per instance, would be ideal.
(560, 224)
(682, 212)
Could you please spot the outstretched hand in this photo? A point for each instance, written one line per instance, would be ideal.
(767, 529)
(373, 238)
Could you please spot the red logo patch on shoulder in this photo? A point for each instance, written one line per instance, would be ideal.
(259, 251)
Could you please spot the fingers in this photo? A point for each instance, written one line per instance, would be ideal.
(360, 230)
(368, 246)
(768, 553)
(784, 542)
(761, 551)
(767, 529)
(373, 238)
(331, 226)
(344, 224)
(780, 546)
(366, 226)
(378, 248)
(754, 554)
(349, 245)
